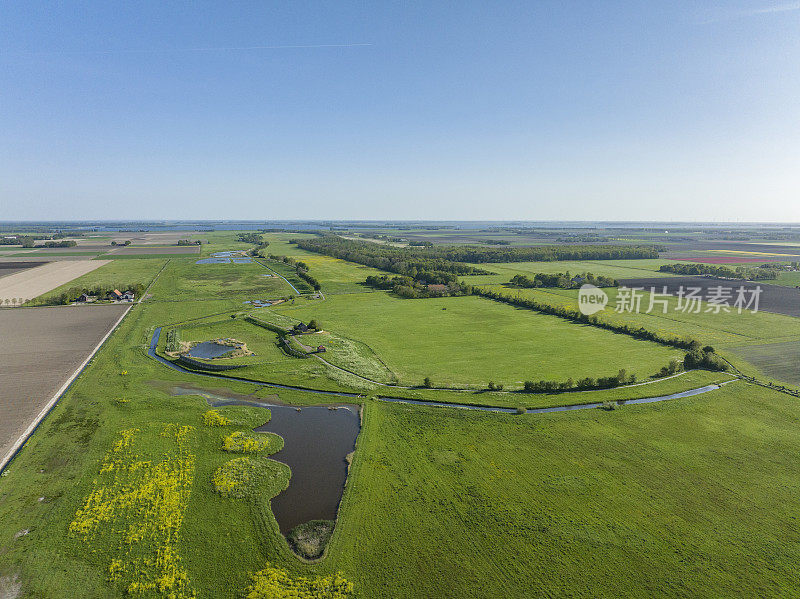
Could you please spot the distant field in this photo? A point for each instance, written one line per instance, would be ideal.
(719, 330)
(113, 273)
(153, 249)
(9, 268)
(33, 282)
(470, 340)
(185, 280)
(773, 298)
(780, 361)
(41, 348)
(608, 268)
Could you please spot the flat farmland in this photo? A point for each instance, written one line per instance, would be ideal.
(183, 279)
(181, 250)
(471, 340)
(114, 273)
(778, 299)
(9, 268)
(41, 349)
(780, 361)
(608, 268)
(33, 282)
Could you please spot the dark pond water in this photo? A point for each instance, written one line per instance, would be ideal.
(209, 349)
(316, 440)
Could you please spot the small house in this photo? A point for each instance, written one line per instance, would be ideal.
(85, 298)
(301, 328)
(114, 295)
(127, 296)
(321, 349)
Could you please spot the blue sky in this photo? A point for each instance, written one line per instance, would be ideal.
(460, 110)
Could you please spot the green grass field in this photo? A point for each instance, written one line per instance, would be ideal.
(470, 340)
(184, 280)
(125, 483)
(693, 498)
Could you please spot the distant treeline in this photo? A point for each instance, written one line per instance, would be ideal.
(254, 238)
(562, 280)
(301, 268)
(421, 264)
(450, 258)
(410, 288)
(725, 272)
(28, 241)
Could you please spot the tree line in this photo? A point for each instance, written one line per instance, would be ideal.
(562, 280)
(409, 262)
(301, 268)
(764, 271)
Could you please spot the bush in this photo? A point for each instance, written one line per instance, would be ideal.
(427, 383)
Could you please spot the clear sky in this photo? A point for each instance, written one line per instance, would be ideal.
(537, 110)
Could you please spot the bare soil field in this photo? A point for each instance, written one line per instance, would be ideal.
(9, 268)
(33, 282)
(41, 349)
(773, 298)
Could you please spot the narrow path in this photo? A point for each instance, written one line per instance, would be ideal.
(276, 273)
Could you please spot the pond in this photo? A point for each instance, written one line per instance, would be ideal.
(209, 350)
(317, 441)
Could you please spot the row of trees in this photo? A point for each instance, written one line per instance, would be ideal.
(100, 291)
(726, 272)
(408, 287)
(408, 261)
(562, 280)
(301, 268)
(584, 384)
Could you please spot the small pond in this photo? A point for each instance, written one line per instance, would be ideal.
(209, 350)
(317, 440)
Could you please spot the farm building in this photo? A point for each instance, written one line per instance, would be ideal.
(321, 348)
(437, 287)
(85, 298)
(114, 295)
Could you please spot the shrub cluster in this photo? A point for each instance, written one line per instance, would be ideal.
(411, 288)
(608, 382)
(562, 280)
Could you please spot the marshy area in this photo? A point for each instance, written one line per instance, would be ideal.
(318, 443)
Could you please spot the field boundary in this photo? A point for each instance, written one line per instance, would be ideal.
(20, 442)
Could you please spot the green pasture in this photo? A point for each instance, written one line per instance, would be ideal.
(689, 498)
(470, 340)
(719, 330)
(184, 280)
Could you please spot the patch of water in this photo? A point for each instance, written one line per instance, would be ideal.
(317, 441)
(209, 350)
